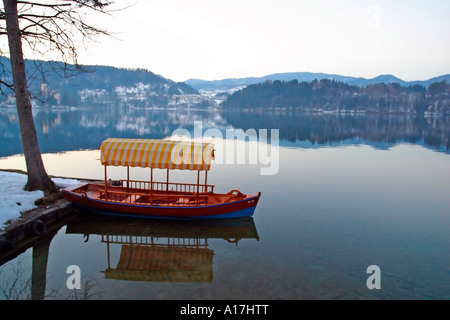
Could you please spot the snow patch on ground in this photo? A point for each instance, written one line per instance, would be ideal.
(14, 200)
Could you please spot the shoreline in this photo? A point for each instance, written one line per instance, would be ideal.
(49, 215)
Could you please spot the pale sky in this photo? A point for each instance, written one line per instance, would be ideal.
(218, 39)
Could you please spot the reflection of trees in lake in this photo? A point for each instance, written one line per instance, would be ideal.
(20, 281)
(66, 129)
(335, 128)
(16, 284)
(150, 250)
(15, 281)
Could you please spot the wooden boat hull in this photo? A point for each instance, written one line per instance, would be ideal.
(237, 208)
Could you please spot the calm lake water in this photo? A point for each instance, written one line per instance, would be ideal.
(351, 191)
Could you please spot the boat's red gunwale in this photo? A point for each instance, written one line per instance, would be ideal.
(154, 198)
(211, 210)
(251, 198)
(95, 192)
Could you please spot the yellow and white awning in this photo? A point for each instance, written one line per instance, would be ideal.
(164, 263)
(161, 154)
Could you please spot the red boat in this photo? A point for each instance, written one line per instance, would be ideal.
(156, 199)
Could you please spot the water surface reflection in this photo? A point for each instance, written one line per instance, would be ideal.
(162, 251)
(351, 191)
(69, 129)
(118, 249)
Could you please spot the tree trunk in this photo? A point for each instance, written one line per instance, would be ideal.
(37, 176)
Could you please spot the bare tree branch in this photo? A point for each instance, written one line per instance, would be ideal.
(58, 27)
(47, 27)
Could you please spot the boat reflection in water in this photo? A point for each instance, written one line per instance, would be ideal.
(159, 250)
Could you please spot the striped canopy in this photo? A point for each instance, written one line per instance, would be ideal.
(165, 263)
(161, 154)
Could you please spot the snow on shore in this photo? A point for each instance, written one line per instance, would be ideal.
(14, 200)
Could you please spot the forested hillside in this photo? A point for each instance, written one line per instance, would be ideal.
(54, 83)
(330, 95)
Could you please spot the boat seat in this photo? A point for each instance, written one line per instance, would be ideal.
(127, 200)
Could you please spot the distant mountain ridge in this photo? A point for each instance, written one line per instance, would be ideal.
(227, 84)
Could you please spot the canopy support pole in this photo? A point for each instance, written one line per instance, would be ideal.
(107, 250)
(128, 178)
(151, 185)
(198, 183)
(167, 183)
(206, 184)
(151, 179)
(106, 183)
